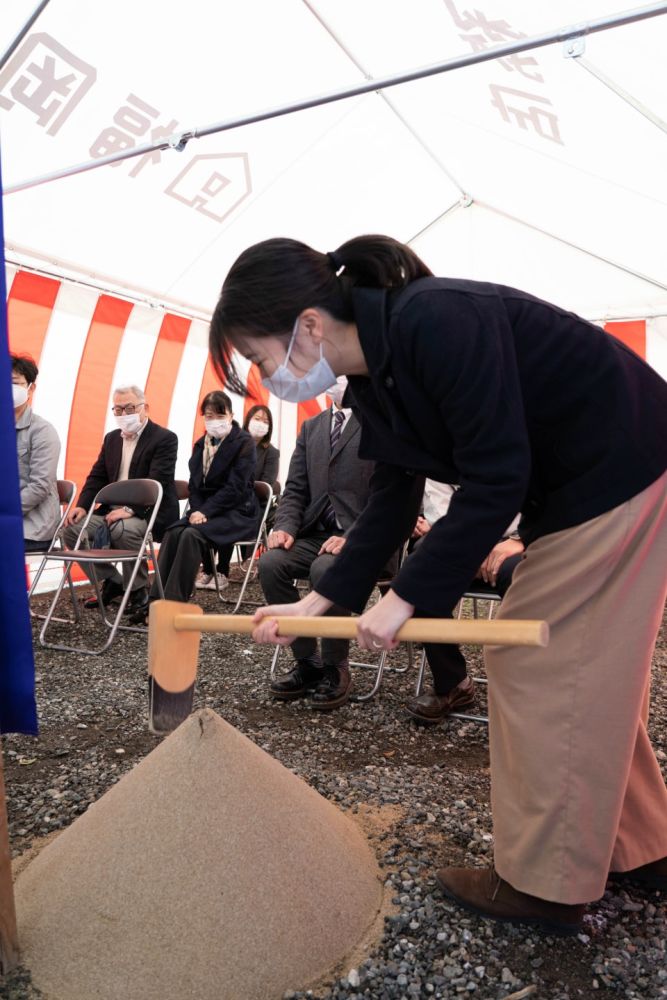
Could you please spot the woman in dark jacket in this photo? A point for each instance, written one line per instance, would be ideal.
(259, 424)
(222, 503)
(526, 407)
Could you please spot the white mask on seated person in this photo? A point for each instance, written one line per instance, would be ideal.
(129, 423)
(218, 428)
(19, 395)
(258, 428)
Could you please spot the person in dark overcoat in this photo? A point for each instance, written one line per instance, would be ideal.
(222, 504)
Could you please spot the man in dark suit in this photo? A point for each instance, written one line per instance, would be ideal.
(326, 490)
(139, 449)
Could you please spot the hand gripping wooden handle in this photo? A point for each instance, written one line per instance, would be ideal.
(505, 632)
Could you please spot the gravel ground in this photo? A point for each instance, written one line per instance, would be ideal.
(422, 794)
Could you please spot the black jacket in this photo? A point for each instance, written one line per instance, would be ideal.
(524, 405)
(154, 458)
(266, 466)
(227, 495)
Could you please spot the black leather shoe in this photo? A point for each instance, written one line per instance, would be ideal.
(300, 681)
(138, 601)
(335, 688)
(137, 607)
(111, 591)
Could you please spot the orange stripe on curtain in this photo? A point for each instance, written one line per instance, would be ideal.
(93, 384)
(632, 333)
(256, 392)
(305, 411)
(209, 382)
(164, 366)
(29, 309)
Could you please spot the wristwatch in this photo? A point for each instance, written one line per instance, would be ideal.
(128, 510)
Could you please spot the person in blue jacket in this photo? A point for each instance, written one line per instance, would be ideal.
(525, 406)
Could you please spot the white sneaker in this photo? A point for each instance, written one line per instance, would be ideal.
(203, 581)
(223, 582)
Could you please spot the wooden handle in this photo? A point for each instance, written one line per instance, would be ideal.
(507, 632)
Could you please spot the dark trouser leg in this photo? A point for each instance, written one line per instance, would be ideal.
(181, 552)
(225, 553)
(446, 661)
(32, 545)
(334, 651)
(278, 568)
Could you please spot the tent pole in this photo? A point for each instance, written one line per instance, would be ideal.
(4, 59)
(179, 141)
(620, 92)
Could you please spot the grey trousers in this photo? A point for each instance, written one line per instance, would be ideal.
(279, 568)
(126, 534)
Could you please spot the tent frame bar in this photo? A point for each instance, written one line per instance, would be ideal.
(179, 141)
(13, 45)
(575, 50)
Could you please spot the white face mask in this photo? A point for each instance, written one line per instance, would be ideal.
(218, 428)
(336, 391)
(294, 389)
(257, 428)
(20, 395)
(129, 423)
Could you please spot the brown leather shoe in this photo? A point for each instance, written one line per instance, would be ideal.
(651, 876)
(334, 689)
(436, 707)
(483, 891)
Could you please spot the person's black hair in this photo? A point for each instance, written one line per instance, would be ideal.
(272, 282)
(266, 440)
(217, 400)
(23, 364)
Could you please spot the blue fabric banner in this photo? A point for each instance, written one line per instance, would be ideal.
(18, 712)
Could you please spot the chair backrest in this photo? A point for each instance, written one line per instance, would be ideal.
(182, 491)
(131, 492)
(263, 492)
(66, 491)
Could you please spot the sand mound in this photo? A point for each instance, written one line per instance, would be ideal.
(208, 871)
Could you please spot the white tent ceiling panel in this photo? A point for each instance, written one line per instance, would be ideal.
(477, 243)
(534, 136)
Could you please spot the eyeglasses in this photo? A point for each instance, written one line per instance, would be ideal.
(129, 408)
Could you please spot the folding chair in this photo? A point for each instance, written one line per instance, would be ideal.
(66, 494)
(483, 592)
(264, 493)
(135, 493)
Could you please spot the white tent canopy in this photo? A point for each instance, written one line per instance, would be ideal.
(529, 171)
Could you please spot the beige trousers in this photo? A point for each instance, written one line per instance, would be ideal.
(576, 789)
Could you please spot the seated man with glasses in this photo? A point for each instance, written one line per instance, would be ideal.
(138, 449)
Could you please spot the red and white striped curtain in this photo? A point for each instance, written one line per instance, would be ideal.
(85, 342)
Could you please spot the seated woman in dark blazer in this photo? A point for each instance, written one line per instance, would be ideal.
(222, 503)
(259, 424)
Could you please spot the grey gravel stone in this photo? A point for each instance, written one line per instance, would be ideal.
(424, 793)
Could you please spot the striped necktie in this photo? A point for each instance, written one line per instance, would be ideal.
(336, 427)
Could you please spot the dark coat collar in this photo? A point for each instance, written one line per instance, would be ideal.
(223, 457)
